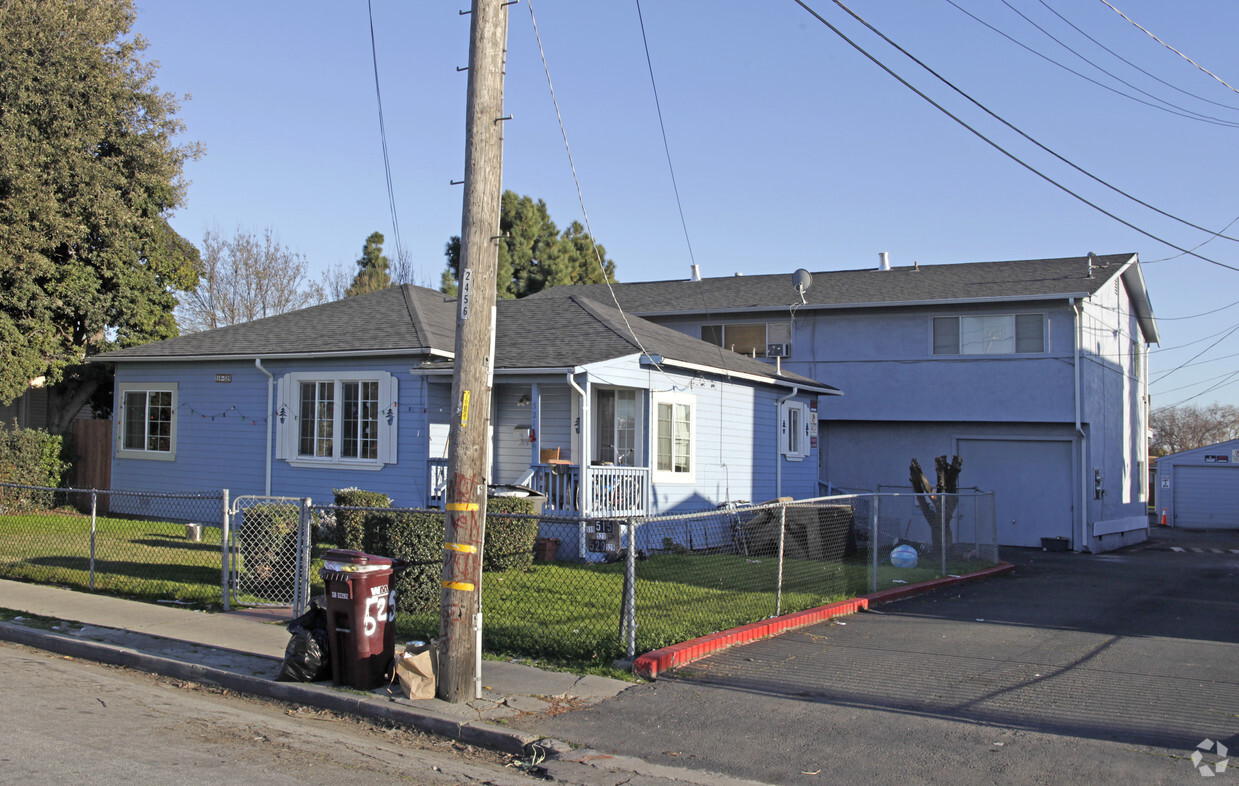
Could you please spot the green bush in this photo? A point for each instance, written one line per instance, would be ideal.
(509, 542)
(417, 538)
(31, 458)
(351, 524)
(267, 539)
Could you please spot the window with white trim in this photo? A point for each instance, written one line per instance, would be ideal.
(340, 418)
(756, 339)
(794, 434)
(674, 438)
(989, 334)
(146, 428)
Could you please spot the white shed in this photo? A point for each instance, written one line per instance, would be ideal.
(1199, 489)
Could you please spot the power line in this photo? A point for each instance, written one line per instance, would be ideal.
(977, 133)
(378, 94)
(1171, 48)
(1227, 335)
(1181, 111)
(1133, 65)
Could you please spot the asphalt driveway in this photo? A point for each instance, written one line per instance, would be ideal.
(1074, 668)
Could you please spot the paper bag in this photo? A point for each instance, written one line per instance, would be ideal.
(416, 668)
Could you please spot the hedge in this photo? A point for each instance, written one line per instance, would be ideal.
(31, 458)
(351, 524)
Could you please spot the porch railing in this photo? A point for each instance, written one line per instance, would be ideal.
(612, 491)
(436, 482)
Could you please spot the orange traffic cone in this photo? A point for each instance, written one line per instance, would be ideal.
(1164, 517)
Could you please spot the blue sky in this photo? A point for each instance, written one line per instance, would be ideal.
(790, 148)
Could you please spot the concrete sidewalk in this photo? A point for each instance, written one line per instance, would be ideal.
(243, 650)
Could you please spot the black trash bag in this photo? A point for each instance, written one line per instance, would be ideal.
(307, 657)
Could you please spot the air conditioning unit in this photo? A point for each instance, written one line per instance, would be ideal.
(778, 350)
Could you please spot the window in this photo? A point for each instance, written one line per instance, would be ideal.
(990, 334)
(674, 429)
(616, 417)
(147, 421)
(794, 426)
(347, 418)
(758, 339)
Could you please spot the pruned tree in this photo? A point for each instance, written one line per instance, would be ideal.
(533, 254)
(1176, 429)
(90, 172)
(374, 269)
(938, 503)
(246, 277)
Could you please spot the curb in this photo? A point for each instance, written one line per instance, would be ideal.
(473, 732)
(651, 664)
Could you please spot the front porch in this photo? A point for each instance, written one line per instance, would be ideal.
(604, 491)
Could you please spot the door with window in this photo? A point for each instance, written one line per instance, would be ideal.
(616, 427)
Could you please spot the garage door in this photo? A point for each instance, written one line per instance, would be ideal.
(1206, 497)
(1032, 486)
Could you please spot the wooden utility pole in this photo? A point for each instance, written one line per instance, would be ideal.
(465, 519)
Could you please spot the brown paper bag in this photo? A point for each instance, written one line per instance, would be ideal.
(417, 667)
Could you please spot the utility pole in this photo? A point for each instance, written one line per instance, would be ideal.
(465, 515)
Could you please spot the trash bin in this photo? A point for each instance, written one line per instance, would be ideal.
(361, 616)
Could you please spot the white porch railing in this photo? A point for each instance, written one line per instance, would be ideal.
(613, 491)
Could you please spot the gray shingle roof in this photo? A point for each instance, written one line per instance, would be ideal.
(550, 333)
(1032, 278)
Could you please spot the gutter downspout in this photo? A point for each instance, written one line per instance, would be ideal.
(1077, 340)
(778, 445)
(584, 433)
(270, 423)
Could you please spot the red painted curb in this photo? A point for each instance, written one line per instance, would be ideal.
(651, 664)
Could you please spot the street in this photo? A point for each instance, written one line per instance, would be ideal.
(73, 722)
(1076, 668)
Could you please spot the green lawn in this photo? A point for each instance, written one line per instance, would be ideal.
(149, 560)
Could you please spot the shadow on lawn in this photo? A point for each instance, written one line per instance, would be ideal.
(142, 571)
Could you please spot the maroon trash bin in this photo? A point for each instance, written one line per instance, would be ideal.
(361, 616)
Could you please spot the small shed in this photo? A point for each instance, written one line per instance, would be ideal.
(1199, 489)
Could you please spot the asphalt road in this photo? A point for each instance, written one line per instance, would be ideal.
(73, 722)
(1077, 668)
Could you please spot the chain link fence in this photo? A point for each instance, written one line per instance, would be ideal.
(150, 546)
(553, 587)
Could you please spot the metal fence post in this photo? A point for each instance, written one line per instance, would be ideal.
(301, 592)
(778, 592)
(630, 591)
(942, 503)
(873, 544)
(94, 496)
(225, 551)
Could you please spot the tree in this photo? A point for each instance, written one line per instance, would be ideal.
(1176, 429)
(374, 270)
(533, 254)
(89, 174)
(244, 278)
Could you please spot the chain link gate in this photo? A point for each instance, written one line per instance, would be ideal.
(267, 559)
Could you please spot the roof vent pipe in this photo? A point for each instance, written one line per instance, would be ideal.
(696, 272)
(884, 261)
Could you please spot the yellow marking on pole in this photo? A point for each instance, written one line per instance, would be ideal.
(463, 548)
(463, 586)
(462, 506)
(464, 408)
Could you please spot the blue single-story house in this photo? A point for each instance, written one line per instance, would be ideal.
(610, 415)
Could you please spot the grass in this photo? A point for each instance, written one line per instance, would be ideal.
(557, 615)
(147, 560)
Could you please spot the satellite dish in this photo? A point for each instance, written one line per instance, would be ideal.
(802, 280)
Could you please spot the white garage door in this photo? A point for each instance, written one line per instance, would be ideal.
(1206, 497)
(1032, 486)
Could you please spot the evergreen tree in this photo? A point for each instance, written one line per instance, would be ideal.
(89, 174)
(374, 269)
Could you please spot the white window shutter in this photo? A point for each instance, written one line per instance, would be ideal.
(285, 427)
(389, 389)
